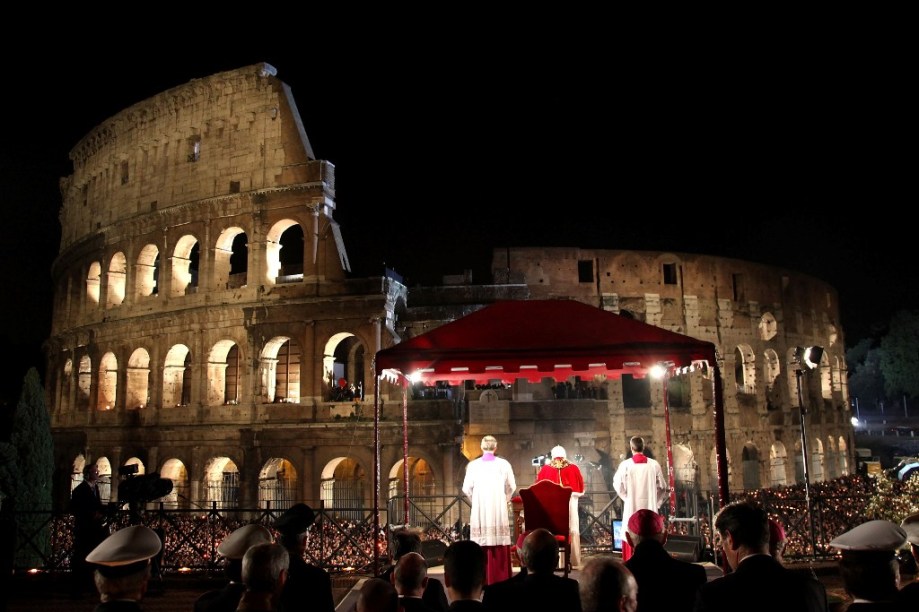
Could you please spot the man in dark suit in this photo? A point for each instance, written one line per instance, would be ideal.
(409, 541)
(88, 527)
(410, 578)
(757, 582)
(307, 585)
(464, 576)
(664, 583)
(539, 588)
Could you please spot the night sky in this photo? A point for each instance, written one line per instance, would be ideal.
(787, 159)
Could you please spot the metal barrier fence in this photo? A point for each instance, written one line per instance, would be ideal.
(342, 539)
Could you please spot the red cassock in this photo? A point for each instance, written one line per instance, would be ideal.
(568, 476)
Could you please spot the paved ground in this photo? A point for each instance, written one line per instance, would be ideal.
(178, 593)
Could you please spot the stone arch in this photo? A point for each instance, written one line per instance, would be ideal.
(767, 326)
(176, 376)
(104, 484)
(146, 271)
(137, 392)
(185, 258)
(277, 484)
(843, 456)
(422, 486)
(117, 273)
(817, 470)
(108, 382)
(278, 238)
(279, 370)
(790, 373)
(343, 486)
(745, 368)
(175, 470)
(830, 466)
(221, 483)
(777, 460)
(751, 472)
(84, 381)
(94, 282)
(771, 368)
(224, 373)
(826, 377)
(76, 471)
(832, 334)
(66, 384)
(343, 358)
(231, 259)
(141, 469)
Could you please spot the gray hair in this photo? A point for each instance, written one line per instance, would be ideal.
(262, 567)
(604, 582)
(489, 444)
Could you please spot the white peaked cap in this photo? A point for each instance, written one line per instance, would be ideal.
(235, 545)
(874, 535)
(559, 451)
(126, 546)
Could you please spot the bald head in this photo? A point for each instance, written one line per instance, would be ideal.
(607, 584)
(411, 575)
(540, 551)
(377, 595)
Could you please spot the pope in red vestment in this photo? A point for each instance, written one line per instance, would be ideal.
(560, 471)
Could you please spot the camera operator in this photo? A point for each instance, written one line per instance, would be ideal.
(88, 528)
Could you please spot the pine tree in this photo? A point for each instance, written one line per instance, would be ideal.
(31, 437)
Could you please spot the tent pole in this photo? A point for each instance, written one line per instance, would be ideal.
(720, 443)
(405, 450)
(671, 480)
(376, 473)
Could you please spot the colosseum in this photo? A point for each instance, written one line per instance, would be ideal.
(207, 327)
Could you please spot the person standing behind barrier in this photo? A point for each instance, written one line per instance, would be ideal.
(639, 481)
(88, 527)
(489, 484)
(561, 471)
(308, 587)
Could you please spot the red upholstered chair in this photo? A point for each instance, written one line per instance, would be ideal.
(545, 505)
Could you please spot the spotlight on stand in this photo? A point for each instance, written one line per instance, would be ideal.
(807, 359)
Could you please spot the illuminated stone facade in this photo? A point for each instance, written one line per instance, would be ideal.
(206, 327)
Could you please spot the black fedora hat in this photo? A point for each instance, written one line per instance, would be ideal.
(295, 519)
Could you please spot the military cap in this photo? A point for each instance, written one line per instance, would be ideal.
(235, 545)
(295, 519)
(877, 535)
(126, 551)
(911, 526)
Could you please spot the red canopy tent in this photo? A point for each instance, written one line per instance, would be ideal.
(533, 339)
